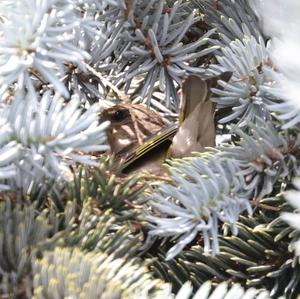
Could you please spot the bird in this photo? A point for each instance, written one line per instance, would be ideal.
(141, 140)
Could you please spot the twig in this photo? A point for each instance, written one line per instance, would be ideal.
(37, 75)
(106, 82)
(264, 206)
(158, 177)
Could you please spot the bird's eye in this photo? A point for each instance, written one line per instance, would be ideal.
(119, 115)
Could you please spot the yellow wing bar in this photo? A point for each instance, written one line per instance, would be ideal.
(150, 144)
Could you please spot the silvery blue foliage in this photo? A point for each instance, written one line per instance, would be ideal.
(153, 46)
(104, 276)
(73, 273)
(40, 140)
(251, 91)
(217, 186)
(293, 198)
(232, 18)
(99, 39)
(281, 22)
(82, 82)
(37, 40)
(264, 157)
(20, 231)
(223, 291)
(285, 111)
(204, 190)
(246, 59)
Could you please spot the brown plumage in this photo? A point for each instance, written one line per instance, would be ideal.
(132, 126)
(196, 123)
(196, 128)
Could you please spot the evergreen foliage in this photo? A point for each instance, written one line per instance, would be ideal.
(107, 190)
(223, 223)
(260, 255)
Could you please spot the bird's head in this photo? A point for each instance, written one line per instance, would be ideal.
(131, 125)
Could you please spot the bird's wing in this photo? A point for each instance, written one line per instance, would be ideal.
(197, 129)
(154, 143)
(196, 120)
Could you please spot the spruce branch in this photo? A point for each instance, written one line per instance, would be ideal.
(100, 40)
(38, 35)
(277, 17)
(232, 19)
(27, 234)
(22, 230)
(66, 272)
(209, 191)
(94, 231)
(108, 190)
(104, 277)
(88, 242)
(47, 137)
(244, 93)
(258, 256)
(292, 197)
(217, 186)
(107, 83)
(161, 58)
(224, 291)
(267, 156)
